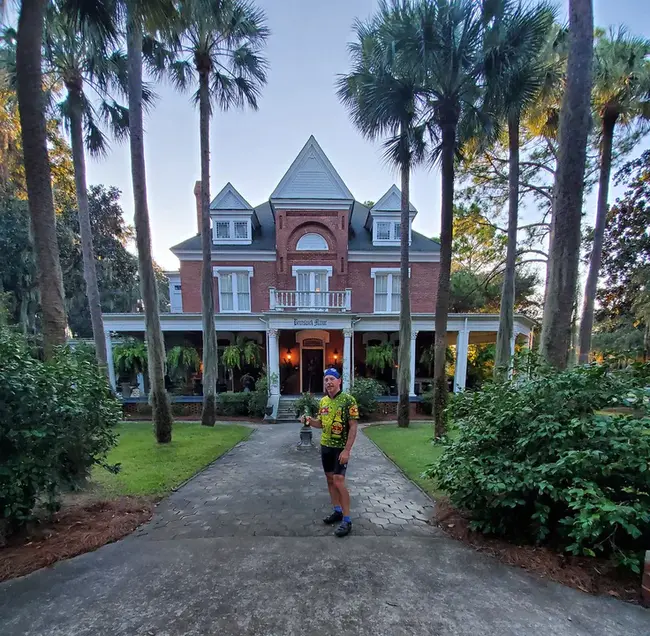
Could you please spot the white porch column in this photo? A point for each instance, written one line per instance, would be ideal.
(109, 360)
(511, 365)
(347, 357)
(414, 335)
(462, 347)
(274, 362)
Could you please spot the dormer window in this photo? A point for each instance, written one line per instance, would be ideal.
(384, 219)
(233, 218)
(231, 231)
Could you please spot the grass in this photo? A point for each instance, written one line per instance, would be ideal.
(150, 469)
(410, 448)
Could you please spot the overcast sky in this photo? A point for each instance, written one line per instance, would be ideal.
(306, 51)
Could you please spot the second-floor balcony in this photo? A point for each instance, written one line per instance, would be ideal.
(293, 300)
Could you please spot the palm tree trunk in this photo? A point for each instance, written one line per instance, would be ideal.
(90, 272)
(404, 353)
(564, 253)
(587, 322)
(442, 299)
(502, 361)
(209, 414)
(161, 407)
(31, 103)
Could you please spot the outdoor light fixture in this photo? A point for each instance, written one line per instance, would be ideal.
(288, 355)
(336, 355)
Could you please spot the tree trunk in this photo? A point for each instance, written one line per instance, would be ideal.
(162, 415)
(209, 414)
(442, 299)
(404, 352)
(503, 361)
(587, 322)
(31, 103)
(564, 252)
(90, 272)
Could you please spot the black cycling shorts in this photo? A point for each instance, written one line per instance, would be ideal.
(330, 458)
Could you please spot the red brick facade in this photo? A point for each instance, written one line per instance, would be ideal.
(333, 226)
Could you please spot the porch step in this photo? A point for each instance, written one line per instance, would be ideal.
(286, 411)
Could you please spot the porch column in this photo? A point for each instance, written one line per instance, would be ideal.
(109, 360)
(462, 346)
(347, 354)
(274, 362)
(511, 365)
(414, 335)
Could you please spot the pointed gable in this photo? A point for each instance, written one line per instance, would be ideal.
(391, 202)
(230, 200)
(311, 177)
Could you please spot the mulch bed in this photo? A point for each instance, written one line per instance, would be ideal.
(592, 575)
(74, 530)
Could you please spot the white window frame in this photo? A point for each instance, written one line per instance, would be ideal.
(390, 272)
(394, 238)
(222, 272)
(313, 270)
(312, 236)
(231, 240)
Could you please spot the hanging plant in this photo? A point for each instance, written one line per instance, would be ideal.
(380, 357)
(130, 358)
(183, 360)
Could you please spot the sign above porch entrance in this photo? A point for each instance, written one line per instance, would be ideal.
(311, 183)
(308, 321)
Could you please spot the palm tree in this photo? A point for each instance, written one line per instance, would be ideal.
(444, 40)
(221, 44)
(517, 71)
(620, 95)
(137, 13)
(382, 96)
(32, 106)
(564, 252)
(78, 61)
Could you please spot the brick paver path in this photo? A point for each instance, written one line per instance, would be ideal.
(267, 487)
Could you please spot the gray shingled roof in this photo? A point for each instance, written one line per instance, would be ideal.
(360, 237)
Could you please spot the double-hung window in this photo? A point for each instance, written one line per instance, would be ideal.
(387, 290)
(312, 286)
(234, 289)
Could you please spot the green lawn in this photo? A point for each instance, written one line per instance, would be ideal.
(410, 448)
(150, 469)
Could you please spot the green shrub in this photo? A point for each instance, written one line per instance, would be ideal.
(233, 403)
(259, 398)
(427, 403)
(534, 461)
(56, 422)
(365, 392)
(307, 403)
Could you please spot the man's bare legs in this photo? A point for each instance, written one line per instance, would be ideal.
(342, 493)
(334, 491)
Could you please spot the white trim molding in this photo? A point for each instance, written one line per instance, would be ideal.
(222, 273)
(377, 256)
(239, 256)
(312, 268)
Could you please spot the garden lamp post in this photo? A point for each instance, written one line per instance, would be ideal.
(306, 432)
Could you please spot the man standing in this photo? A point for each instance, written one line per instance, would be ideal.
(338, 417)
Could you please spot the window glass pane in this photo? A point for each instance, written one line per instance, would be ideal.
(381, 292)
(396, 229)
(243, 292)
(222, 229)
(383, 231)
(241, 229)
(226, 301)
(395, 296)
(225, 292)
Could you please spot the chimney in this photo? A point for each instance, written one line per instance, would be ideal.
(197, 195)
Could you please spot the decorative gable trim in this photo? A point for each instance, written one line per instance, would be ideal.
(391, 202)
(230, 200)
(311, 177)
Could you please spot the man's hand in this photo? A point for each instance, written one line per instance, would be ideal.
(344, 457)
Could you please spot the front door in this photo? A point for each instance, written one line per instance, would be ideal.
(312, 370)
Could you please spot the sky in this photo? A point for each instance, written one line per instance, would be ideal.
(307, 50)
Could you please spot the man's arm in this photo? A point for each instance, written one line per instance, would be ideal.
(352, 435)
(315, 422)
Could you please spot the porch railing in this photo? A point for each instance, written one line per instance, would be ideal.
(293, 300)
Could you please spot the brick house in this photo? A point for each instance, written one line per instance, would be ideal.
(313, 276)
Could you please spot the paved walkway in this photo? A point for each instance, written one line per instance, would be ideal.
(240, 550)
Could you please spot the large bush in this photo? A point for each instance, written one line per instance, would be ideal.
(365, 392)
(259, 398)
(537, 461)
(233, 403)
(56, 422)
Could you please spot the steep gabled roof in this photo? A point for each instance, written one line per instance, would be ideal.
(391, 202)
(312, 176)
(229, 199)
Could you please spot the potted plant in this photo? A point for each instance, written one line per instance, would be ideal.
(182, 361)
(129, 358)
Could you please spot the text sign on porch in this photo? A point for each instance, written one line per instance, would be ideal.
(312, 322)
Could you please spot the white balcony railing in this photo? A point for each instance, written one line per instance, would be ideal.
(293, 300)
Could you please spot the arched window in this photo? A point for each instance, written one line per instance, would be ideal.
(312, 243)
